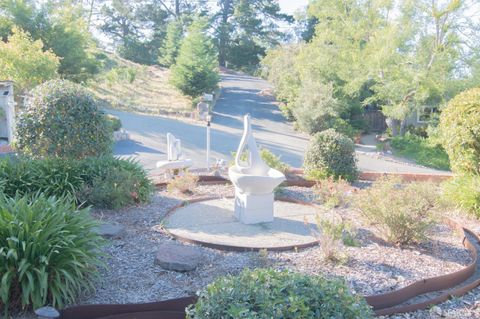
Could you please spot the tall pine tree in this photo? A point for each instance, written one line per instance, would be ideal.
(169, 51)
(195, 71)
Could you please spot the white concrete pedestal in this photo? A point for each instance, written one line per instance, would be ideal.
(253, 209)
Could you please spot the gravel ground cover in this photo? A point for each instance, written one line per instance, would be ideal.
(372, 267)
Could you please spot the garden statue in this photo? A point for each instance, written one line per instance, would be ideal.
(175, 162)
(254, 181)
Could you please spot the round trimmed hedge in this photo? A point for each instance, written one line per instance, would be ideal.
(62, 119)
(267, 293)
(330, 154)
(460, 132)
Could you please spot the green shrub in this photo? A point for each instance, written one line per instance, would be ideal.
(62, 119)
(49, 253)
(268, 157)
(105, 182)
(460, 132)
(114, 122)
(423, 150)
(464, 192)
(265, 293)
(402, 214)
(331, 154)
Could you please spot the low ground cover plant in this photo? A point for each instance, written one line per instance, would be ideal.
(184, 184)
(330, 154)
(49, 252)
(402, 213)
(267, 293)
(105, 182)
(333, 193)
(422, 150)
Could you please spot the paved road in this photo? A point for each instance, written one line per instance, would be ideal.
(240, 95)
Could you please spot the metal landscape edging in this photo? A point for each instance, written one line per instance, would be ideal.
(382, 304)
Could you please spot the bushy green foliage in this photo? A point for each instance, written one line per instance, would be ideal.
(463, 191)
(51, 176)
(402, 214)
(331, 154)
(25, 61)
(460, 132)
(266, 293)
(268, 157)
(49, 252)
(273, 160)
(104, 182)
(169, 51)
(62, 119)
(316, 109)
(61, 28)
(422, 150)
(114, 122)
(195, 70)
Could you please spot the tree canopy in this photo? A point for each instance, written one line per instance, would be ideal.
(398, 56)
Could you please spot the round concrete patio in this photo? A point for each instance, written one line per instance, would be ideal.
(212, 223)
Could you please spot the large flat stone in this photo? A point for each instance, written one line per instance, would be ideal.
(110, 230)
(173, 256)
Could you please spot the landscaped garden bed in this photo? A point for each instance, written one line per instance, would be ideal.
(371, 266)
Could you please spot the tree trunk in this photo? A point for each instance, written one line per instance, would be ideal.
(223, 34)
(393, 124)
(403, 127)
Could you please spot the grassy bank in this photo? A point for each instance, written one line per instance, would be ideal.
(126, 85)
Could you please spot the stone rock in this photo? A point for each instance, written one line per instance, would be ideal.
(110, 230)
(173, 256)
(47, 312)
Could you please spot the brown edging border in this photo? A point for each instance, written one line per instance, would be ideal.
(383, 304)
(229, 247)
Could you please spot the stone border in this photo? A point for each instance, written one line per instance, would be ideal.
(231, 247)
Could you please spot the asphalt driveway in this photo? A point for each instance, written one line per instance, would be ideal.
(241, 94)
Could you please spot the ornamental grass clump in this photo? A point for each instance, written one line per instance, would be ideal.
(105, 182)
(49, 252)
(402, 213)
(267, 293)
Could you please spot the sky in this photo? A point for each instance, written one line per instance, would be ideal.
(290, 6)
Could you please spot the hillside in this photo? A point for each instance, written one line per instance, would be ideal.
(126, 85)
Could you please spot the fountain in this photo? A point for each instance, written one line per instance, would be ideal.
(254, 181)
(246, 222)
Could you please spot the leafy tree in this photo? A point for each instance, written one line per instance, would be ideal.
(61, 28)
(246, 25)
(169, 51)
(24, 61)
(395, 56)
(140, 30)
(195, 71)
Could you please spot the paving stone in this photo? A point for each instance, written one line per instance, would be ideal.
(177, 257)
(110, 230)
